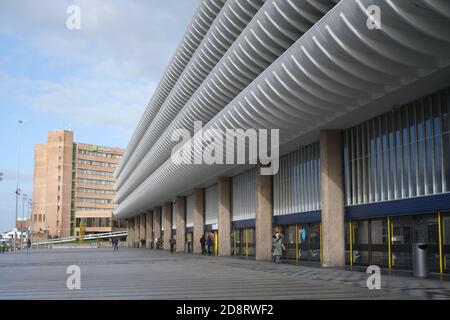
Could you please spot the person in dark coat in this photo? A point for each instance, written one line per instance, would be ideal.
(203, 244)
(209, 242)
(277, 247)
(115, 244)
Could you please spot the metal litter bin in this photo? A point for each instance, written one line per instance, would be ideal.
(420, 262)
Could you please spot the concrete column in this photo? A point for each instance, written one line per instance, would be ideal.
(137, 229)
(167, 223)
(332, 198)
(224, 216)
(264, 209)
(130, 238)
(199, 219)
(157, 223)
(181, 223)
(142, 229)
(149, 229)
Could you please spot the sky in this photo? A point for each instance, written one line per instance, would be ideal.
(95, 80)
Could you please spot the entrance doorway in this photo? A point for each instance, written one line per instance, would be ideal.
(243, 242)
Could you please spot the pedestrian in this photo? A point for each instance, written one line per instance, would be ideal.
(210, 242)
(203, 244)
(172, 244)
(28, 246)
(2, 247)
(277, 247)
(115, 244)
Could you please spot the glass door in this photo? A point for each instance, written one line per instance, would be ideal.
(303, 242)
(401, 242)
(361, 251)
(446, 240)
(314, 242)
(379, 242)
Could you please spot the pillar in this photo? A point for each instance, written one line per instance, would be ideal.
(130, 237)
(157, 223)
(142, 230)
(149, 229)
(167, 223)
(224, 216)
(264, 208)
(332, 198)
(199, 219)
(181, 223)
(137, 229)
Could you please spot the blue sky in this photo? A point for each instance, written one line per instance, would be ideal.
(95, 81)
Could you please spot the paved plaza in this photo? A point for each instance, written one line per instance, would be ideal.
(150, 274)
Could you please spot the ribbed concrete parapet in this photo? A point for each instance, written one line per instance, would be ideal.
(332, 197)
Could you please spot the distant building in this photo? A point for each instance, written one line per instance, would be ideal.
(73, 184)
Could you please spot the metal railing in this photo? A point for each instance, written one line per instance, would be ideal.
(105, 235)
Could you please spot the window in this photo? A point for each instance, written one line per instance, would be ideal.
(407, 152)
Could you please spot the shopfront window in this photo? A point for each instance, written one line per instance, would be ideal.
(401, 241)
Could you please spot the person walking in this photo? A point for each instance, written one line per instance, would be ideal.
(28, 246)
(209, 242)
(203, 244)
(277, 247)
(2, 247)
(115, 244)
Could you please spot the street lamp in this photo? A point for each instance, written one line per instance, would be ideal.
(24, 198)
(19, 142)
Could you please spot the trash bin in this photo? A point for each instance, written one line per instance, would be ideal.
(420, 262)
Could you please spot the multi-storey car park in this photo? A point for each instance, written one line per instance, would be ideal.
(363, 119)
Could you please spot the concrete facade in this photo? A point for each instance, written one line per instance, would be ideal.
(130, 237)
(149, 229)
(167, 223)
(263, 229)
(199, 219)
(332, 197)
(224, 216)
(181, 223)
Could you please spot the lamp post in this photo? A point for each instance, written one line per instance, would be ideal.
(24, 198)
(18, 179)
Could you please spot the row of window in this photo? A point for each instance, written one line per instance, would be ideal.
(97, 163)
(39, 217)
(92, 209)
(99, 154)
(95, 191)
(401, 154)
(96, 172)
(95, 181)
(94, 222)
(94, 200)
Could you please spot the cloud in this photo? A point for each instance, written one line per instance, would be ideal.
(127, 38)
